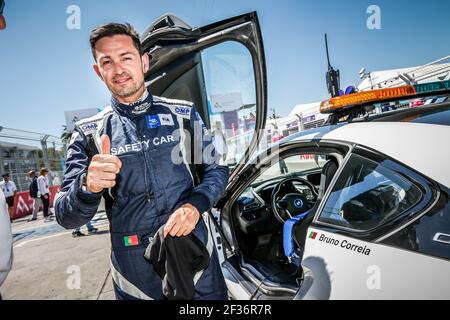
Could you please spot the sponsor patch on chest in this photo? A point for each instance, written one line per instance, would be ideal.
(90, 127)
(156, 120)
(166, 119)
(183, 111)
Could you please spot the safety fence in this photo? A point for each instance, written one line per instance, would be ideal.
(22, 151)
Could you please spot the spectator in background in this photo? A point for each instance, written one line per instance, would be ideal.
(56, 180)
(276, 137)
(44, 192)
(2, 17)
(91, 229)
(283, 167)
(219, 140)
(9, 189)
(6, 252)
(34, 190)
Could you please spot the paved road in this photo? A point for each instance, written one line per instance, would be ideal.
(50, 264)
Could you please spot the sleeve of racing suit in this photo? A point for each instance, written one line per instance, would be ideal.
(73, 206)
(214, 172)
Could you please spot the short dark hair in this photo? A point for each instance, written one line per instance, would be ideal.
(112, 29)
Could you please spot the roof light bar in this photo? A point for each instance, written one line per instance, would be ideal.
(335, 103)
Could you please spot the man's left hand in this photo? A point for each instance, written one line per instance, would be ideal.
(182, 221)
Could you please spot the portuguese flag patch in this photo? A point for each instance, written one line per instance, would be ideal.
(131, 240)
(312, 235)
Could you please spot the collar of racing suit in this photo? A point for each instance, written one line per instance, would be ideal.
(135, 109)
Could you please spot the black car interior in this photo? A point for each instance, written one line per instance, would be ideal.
(259, 215)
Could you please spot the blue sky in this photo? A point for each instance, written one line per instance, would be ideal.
(46, 68)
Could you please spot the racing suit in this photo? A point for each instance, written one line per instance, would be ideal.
(168, 160)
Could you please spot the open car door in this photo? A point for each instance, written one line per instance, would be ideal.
(221, 69)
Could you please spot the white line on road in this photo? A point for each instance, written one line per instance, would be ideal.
(46, 225)
(54, 235)
(42, 238)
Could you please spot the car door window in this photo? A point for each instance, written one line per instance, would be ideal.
(366, 194)
(231, 95)
(430, 234)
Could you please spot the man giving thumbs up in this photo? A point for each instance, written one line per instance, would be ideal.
(103, 168)
(124, 154)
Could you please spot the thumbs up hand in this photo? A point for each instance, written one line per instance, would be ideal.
(103, 168)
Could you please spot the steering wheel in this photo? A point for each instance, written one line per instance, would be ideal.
(293, 203)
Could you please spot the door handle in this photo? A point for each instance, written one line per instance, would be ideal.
(442, 238)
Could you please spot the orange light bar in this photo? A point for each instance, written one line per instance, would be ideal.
(335, 103)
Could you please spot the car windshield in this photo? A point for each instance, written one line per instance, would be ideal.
(292, 166)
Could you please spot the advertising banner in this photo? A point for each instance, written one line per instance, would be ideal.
(23, 203)
(226, 102)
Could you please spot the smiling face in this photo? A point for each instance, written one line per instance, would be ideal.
(121, 67)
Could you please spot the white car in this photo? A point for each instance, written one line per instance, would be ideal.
(377, 224)
(350, 210)
(6, 250)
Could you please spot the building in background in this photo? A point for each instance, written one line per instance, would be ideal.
(302, 117)
(435, 71)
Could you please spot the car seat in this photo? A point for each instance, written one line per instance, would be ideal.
(299, 230)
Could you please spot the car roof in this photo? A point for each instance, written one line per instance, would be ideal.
(431, 114)
(422, 147)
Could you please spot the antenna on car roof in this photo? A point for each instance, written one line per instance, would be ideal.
(332, 76)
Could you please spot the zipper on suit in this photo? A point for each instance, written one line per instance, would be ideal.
(148, 194)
